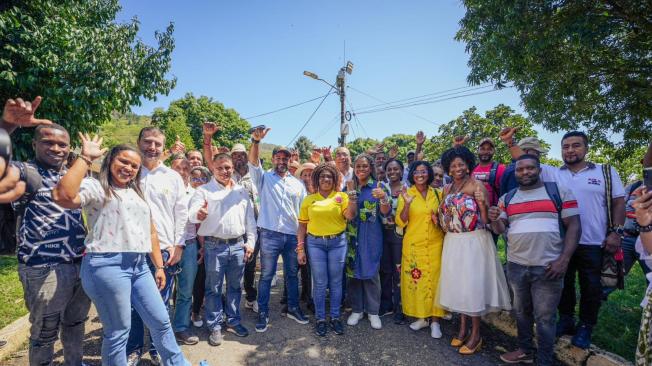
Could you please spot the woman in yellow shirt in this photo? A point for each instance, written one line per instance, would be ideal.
(422, 248)
(322, 219)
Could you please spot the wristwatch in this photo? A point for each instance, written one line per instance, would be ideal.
(618, 229)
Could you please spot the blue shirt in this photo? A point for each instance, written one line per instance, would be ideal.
(47, 233)
(280, 200)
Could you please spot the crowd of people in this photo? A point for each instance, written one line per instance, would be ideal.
(411, 242)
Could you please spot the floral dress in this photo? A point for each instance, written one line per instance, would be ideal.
(365, 235)
(422, 248)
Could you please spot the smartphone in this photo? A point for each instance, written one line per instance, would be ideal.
(251, 130)
(5, 148)
(647, 178)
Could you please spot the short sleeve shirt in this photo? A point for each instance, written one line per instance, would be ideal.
(324, 215)
(119, 224)
(588, 188)
(534, 237)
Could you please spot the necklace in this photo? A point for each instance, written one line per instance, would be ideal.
(455, 190)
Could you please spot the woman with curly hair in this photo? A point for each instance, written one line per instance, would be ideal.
(322, 221)
(422, 247)
(365, 234)
(472, 281)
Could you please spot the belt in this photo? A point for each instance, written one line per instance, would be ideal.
(326, 237)
(226, 241)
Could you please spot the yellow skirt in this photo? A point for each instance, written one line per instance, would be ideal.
(420, 268)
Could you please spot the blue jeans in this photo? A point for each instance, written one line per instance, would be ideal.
(116, 282)
(535, 301)
(223, 260)
(136, 340)
(327, 264)
(185, 283)
(273, 244)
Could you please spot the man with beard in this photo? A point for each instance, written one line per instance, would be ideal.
(343, 165)
(50, 241)
(281, 195)
(488, 171)
(241, 176)
(588, 182)
(164, 192)
(544, 228)
(194, 158)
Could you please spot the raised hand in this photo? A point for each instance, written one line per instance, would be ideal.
(223, 150)
(460, 140)
(315, 156)
(91, 147)
(378, 148)
(294, 155)
(326, 151)
(393, 152)
(18, 112)
(420, 137)
(178, 147)
(507, 134)
(494, 213)
(379, 192)
(260, 133)
(210, 128)
(479, 196)
(203, 212)
(406, 197)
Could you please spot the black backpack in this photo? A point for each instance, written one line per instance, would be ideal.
(553, 192)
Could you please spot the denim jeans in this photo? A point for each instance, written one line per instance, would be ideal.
(136, 340)
(535, 301)
(273, 244)
(56, 301)
(223, 260)
(116, 282)
(185, 282)
(327, 265)
(587, 263)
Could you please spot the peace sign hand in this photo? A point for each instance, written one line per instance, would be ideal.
(18, 112)
(91, 148)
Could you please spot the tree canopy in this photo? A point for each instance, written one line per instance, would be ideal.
(304, 146)
(82, 62)
(577, 64)
(193, 112)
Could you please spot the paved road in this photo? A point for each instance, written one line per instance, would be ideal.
(288, 343)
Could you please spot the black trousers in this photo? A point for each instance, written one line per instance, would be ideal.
(390, 272)
(587, 263)
(249, 276)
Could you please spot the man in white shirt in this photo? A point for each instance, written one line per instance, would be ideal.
(226, 214)
(343, 165)
(164, 191)
(587, 182)
(281, 195)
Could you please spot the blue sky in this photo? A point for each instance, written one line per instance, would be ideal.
(250, 55)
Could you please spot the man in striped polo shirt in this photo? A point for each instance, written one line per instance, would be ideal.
(544, 229)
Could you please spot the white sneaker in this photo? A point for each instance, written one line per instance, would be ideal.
(448, 316)
(419, 324)
(253, 305)
(197, 321)
(353, 319)
(435, 330)
(375, 322)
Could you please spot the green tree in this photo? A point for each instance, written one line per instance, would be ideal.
(196, 111)
(83, 63)
(123, 129)
(360, 145)
(477, 127)
(577, 64)
(304, 146)
(405, 143)
(629, 168)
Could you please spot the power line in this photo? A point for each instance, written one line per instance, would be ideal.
(312, 115)
(355, 118)
(284, 108)
(328, 127)
(380, 100)
(429, 102)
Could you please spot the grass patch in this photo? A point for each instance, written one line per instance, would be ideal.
(620, 316)
(12, 303)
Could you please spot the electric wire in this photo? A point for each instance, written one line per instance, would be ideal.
(284, 108)
(311, 115)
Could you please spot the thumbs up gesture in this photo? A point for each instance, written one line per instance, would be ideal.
(203, 212)
(378, 192)
(479, 196)
(350, 185)
(178, 147)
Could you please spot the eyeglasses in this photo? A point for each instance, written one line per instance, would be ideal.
(420, 172)
(199, 180)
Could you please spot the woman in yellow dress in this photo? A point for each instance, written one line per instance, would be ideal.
(422, 248)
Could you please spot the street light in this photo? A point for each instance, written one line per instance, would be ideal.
(311, 75)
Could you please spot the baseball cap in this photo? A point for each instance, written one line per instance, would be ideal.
(487, 140)
(532, 143)
(238, 148)
(279, 149)
(411, 152)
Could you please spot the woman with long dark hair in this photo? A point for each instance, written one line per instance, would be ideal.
(365, 247)
(114, 271)
(472, 281)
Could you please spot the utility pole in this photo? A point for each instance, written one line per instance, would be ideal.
(340, 87)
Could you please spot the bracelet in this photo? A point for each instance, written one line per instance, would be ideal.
(88, 161)
(160, 268)
(255, 141)
(645, 229)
